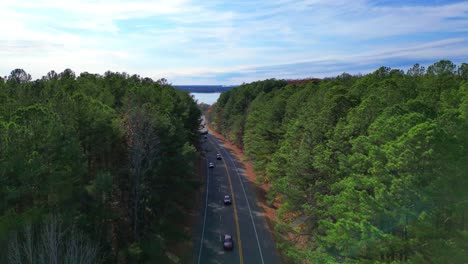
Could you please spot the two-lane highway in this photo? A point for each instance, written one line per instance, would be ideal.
(244, 220)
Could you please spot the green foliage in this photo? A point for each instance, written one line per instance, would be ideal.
(67, 147)
(369, 169)
(232, 107)
(135, 253)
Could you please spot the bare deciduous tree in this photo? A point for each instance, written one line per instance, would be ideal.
(28, 246)
(14, 254)
(143, 143)
(52, 245)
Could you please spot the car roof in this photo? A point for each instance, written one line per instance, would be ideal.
(226, 196)
(227, 236)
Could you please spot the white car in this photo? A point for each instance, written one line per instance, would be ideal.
(218, 156)
(211, 165)
(227, 199)
(228, 244)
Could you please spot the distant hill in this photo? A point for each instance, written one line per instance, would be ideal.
(204, 88)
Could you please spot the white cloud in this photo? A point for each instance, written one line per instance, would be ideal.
(334, 65)
(178, 38)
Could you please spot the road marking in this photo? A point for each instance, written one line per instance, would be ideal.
(248, 204)
(241, 257)
(206, 209)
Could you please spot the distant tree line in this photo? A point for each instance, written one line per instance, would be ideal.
(94, 168)
(364, 169)
(204, 88)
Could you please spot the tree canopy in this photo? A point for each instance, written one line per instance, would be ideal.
(366, 169)
(111, 156)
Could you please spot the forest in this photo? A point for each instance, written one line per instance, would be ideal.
(204, 88)
(94, 168)
(361, 168)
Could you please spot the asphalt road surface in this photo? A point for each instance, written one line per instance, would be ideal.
(244, 220)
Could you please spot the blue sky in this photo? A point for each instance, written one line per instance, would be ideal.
(230, 42)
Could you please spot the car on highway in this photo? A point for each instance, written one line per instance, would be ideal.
(211, 165)
(228, 244)
(205, 137)
(227, 199)
(218, 156)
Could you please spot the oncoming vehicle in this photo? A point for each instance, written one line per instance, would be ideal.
(211, 165)
(228, 244)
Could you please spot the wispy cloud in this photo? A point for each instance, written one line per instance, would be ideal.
(229, 42)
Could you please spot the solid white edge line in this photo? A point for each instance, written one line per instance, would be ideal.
(206, 209)
(248, 204)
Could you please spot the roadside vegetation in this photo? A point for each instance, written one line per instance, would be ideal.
(364, 169)
(94, 168)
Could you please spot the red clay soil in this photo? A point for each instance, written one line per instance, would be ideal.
(260, 190)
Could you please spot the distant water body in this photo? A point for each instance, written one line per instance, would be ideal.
(207, 98)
